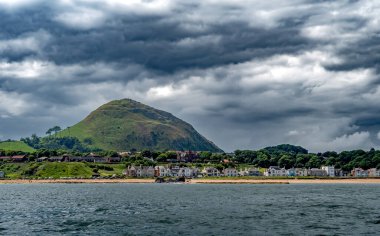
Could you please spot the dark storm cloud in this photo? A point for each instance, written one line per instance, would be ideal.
(362, 54)
(152, 41)
(268, 72)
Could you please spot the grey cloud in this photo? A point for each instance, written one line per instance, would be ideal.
(246, 74)
(152, 40)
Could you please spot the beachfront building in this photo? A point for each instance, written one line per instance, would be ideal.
(250, 172)
(130, 171)
(211, 171)
(230, 172)
(330, 170)
(374, 172)
(359, 172)
(275, 171)
(144, 171)
(316, 172)
(291, 172)
(162, 171)
(187, 172)
(254, 172)
(139, 171)
(339, 172)
(175, 171)
(301, 172)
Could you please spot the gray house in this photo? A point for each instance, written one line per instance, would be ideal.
(2, 174)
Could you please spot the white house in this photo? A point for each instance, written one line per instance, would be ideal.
(187, 172)
(374, 172)
(301, 172)
(359, 172)
(330, 170)
(316, 172)
(175, 171)
(231, 172)
(250, 172)
(145, 171)
(139, 171)
(275, 171)
(211, 171)
(162, 171)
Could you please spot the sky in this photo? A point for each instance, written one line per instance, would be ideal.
(245, 74)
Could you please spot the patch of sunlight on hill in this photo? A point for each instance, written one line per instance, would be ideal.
(15, 146)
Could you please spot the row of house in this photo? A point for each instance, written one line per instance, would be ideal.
(329, 171)
(188, 172)
(359, 172)
(161, 171)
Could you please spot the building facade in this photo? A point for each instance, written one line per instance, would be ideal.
(275, 171)
(330, 170)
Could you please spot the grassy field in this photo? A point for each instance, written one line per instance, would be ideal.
(16, 146)
(59, 170)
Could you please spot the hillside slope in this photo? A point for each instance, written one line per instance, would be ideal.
(15, 146)
(126, 124)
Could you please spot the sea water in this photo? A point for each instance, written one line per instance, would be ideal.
(189, 209)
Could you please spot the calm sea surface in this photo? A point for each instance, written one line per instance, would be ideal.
(173, 209)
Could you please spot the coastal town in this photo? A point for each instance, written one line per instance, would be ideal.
(272, 171)
(184, 166)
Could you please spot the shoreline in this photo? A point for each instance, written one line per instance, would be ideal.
(287, 181)
(195, 181)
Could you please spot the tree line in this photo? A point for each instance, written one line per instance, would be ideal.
(289, 156)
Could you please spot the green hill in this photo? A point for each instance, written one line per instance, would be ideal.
(15, 146)
(126, 124)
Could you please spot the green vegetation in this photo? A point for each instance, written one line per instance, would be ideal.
(15, 146)
(57, 143)
(129, 125)
(59, 170)
(292, 156)
(108, 169)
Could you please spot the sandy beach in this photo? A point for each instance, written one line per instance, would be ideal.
(75, 181)
(197, 181)
(286, 181)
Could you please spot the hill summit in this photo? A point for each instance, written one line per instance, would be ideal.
(127, 124)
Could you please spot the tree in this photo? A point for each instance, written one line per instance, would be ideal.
(146, 153)
(54, 130)
(49, 131)
(286, 161)
(162, 157)
(314, 162)
(205, 155)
